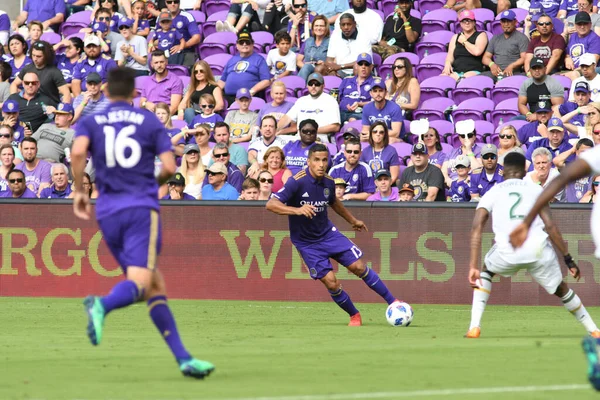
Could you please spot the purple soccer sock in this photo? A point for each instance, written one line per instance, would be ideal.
(122, 295)
(165, 323)
(343, 300)
(373, 281)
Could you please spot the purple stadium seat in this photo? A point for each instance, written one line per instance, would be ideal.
(438, 20)
(520, 13)
(433, 109)
(81, 16)
(186, 82)
(435, 42)
(388, 6)
(178, 123)
(517, 124)
(437, 86)
(427, 6)
(507, 88)
(51, 37)
(214, 6)
(505, 111)
(199, 16)
(447, 148)
(566, 82)
(339, 136)
(292, 100)
(430, 66)
(140, 82)
(331, 82)
(255, 105)
(70, 28)
(217, 43)
(293, 85)
(404, 150)
(80, 35)
(217, 62)
(444, 128)
(474, 86)
(386, 66)
(477, 108)
(179, 70)
(332, 147)
(264, 40)
(209, 26)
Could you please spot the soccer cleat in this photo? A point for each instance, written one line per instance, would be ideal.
(595, 334)
(196, 368)
(355, 320)
(473, 333)
(590, 348)
(95, 312)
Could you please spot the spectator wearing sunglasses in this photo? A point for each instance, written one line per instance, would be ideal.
(132, 51)
(32, 104)
(590, 196)
(296, 152)
(265, 188)
(17, 187)
(111, 7)
(220, 154)
(238, 155)
(508, 143)
(185, 23)
(218, 188)
(162, 86)
(207, 114)
(50, 12)
(101, 27)
(356, 174)
(468, 147)
(354, 92)
(299, 25)
(484, 178)
(576, 190)
(548, 46)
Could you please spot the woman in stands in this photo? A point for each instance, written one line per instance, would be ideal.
(590, 196)
(265, 180)
(202, 135)
(431, 138)
(274, 163)
(592, 119)
(313, 53)
(380, 154)
(509, 142)
(17, 47)
(7, 156)
(403, 88)
(467, 135)
(202, 82)
(193, 172)
(466, 49)
(66, 61)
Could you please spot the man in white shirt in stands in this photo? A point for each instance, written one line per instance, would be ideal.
(345, 45)
(368, 22)
(587, 63)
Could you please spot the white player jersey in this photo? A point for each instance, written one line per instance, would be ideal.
(508, 203)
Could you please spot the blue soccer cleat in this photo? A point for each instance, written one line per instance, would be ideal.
(590, 347)
(95, 312)
(196, 368)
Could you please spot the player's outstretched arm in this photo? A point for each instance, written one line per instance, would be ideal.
(558, 241)
(479, 221)
(343, 212)
(578, 169)
(81, 200)
(168, 167)
(276, 206)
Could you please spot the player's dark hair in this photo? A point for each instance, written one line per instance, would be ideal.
(514, 160)
(317, 148)
(268, 117)
(121, 82)
(16, 171)
(221, 124)
(5, 71)
(308, 121)
(29, 139)
(354, 140)
(584, 142)
(282, 36)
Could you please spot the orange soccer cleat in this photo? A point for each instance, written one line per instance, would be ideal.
(473, 333)
(355, 320)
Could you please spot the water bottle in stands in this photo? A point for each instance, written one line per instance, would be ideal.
(501, 121)
(426, 53)
(387, 77)
(44, 108)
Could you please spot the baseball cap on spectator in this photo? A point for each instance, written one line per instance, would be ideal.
(419, 148)
(509, 15)
(340, 181)
(587, 59)
(536, 62)
(351, 132)
(489, 149)
(465, 127)
(466, 14)
(245, 35)
(379, 83)
(407, 187)
(556, 124)
(315, 76)
(218, 168)
(382, 172)
(191, 147)
(91, 40)
(177, 179)
(94, 77)
(582, 17)
(462, 161)
(364, 57)
(128, 22)
(10, 106)
(543, 106)
(243, 93)
(99, 27)
(165, 16)
(582, 87)
(64, 108)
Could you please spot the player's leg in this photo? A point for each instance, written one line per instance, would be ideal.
(481, 295)
(371, 278)
(573, 304)
(163, 319)
(341, 298)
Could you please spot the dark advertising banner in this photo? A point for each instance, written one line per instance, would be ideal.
(244, 253)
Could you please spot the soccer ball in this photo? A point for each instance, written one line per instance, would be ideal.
(399, 314)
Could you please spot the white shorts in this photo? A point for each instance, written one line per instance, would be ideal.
(545, 271)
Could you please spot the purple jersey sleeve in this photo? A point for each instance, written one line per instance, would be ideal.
(4, 22)
(263, 70)
(192, 28)
(289, 191)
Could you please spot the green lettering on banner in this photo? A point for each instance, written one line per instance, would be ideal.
(8, 250)
(573, 241)
(95, 260)
(385, 268)
(435, 256)
(254, 251)
(75, 268)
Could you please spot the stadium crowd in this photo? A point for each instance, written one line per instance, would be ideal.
(416, 100)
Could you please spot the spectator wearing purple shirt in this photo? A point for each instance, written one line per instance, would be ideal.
(17, 186)
(356, 174)
(355, 91)
(459, 190)
(50, 12)
(166, 37)
(162, 86)
(60, 188)
(483, 179)
(556, 142)
(10, 117)
(235, 177)
(581, 98)
(385, 191)
(529, 133)
(66, 61)
(296, 152)
(384, 110)
(467, 136)
(185, 23)
(36, 170)
(567, 8)
(278, 107)
(379, 154)
(581, 42)
(17, 48)
(176, 184)
(4, 28)
(576, 190)
(93, 61)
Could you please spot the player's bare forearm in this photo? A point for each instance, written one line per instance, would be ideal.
(78, 160)
(575, 170)
(481, 216)
(553, 231)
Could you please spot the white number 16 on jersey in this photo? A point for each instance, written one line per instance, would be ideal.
(117, 143)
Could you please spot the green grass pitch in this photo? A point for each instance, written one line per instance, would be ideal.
(291, 351)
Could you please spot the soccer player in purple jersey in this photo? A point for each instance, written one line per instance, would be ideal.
(124, 141)
(304, 198)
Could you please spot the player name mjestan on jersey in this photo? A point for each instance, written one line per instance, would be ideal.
(120, 116)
